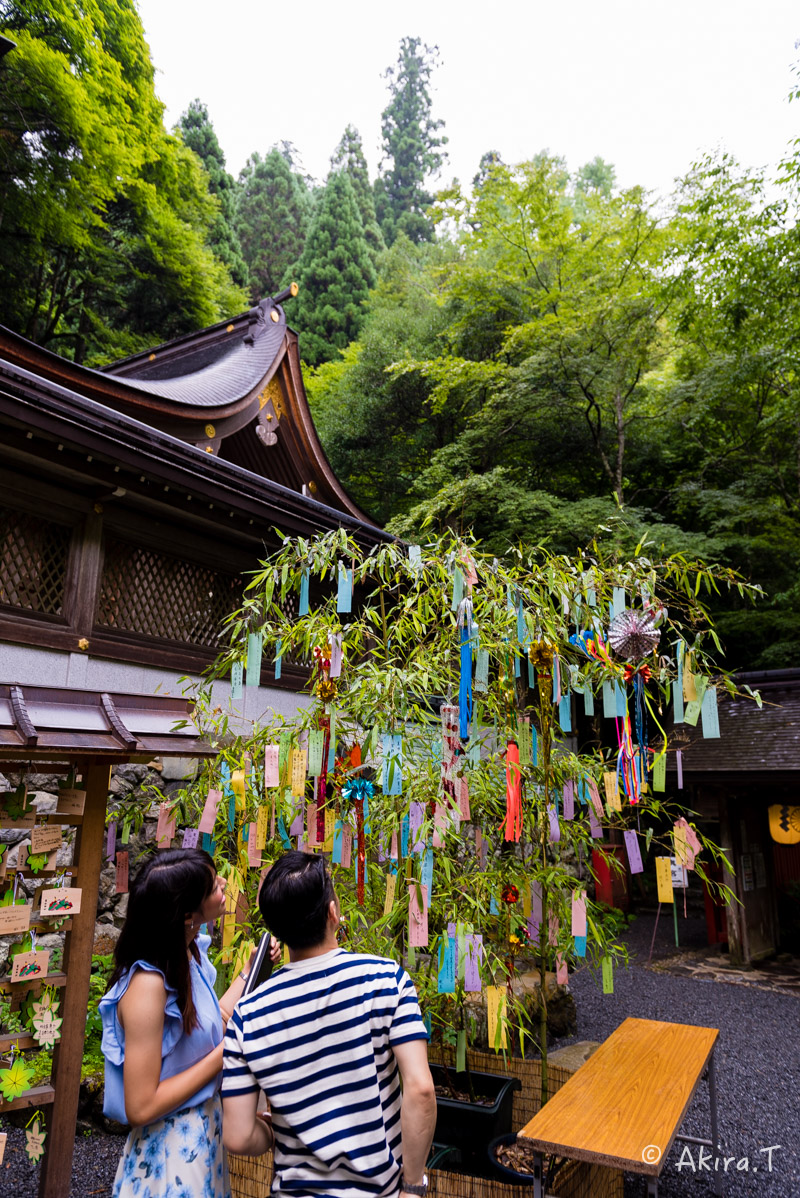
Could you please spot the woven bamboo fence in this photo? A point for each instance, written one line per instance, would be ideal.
(251, 1176)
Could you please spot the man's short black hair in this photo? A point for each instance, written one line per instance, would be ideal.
(295, 899)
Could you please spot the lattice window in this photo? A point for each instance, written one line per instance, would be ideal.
(161, 596)
(33, 562)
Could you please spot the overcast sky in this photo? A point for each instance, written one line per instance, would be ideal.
(647, 86)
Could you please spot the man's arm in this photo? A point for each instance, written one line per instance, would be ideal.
(243, 1131)
(418, 1110)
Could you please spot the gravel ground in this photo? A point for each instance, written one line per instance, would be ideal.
(758, 1079)
(757, 1057)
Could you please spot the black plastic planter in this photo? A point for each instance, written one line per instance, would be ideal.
(469, 1126)
(511, 1176)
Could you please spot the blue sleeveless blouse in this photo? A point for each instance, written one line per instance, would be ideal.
(178, 1050)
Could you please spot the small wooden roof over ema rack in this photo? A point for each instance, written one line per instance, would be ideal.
(39, 722)
(57, 730)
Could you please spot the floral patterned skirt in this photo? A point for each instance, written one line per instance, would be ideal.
(180, 1156)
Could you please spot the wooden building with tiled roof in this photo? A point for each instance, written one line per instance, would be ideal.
(135, 499)
(732, 782)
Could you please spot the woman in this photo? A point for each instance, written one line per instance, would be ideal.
(162, 1032)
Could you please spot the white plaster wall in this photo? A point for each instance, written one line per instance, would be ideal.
(29, 666)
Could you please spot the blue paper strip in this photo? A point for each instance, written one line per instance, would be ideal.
(278, 648)
(565, 713)
(285, 841)
(255, 644)
(237, 677)
(303, 607)
(344, 597)
(446, 982)
(338, 839)
(580, 946)
(405, 833)
(426, 871)
(392, 776)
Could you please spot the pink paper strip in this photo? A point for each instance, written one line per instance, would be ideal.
(579, 914)
(208, 818)
(347, 845)
(693, 846)
(336, 655)
(552, 933)
(556, 679)
(562, 972)
(272, 775)
(111, 840)
(393, 848)
(634, 853)
(418, 916)
(462, 797)
(441, 822)
(594, 797)
(253, 852)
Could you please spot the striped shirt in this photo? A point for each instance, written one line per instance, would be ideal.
(317, 1038)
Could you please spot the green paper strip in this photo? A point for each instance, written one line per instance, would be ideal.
(461, 1051)
(608, 976)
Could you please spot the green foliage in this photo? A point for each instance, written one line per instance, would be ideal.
(412, 146)
(199, 135)
(377, 427)
(334, 273)
(349, 157)
(103, 216)
(273, 208)
(400, 661)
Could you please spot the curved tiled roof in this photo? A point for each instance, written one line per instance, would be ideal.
(220, 366)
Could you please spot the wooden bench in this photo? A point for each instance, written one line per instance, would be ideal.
(625, 1106)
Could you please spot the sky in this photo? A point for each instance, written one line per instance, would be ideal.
(649, 87)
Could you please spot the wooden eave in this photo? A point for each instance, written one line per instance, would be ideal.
(212, 389)
(42, 417)
(54, 722)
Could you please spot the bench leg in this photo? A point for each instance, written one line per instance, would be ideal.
(538, 1192)
(652, 1187)
(712, 1097)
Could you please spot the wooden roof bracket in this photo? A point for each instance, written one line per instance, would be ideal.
(115, 723)
(21, 717)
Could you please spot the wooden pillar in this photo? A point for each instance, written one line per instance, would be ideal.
(734, 909)
(56, 1171)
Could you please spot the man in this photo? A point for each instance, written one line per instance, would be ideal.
(328, 1038)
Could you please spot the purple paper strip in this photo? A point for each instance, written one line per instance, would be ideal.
(634, 853)
(190, 838)
(451, 929)
(111, 840)
(297, 826)
(552, 934)
(679, 760)
(533, 930)
(569, 799)
(536, 902)
(415, 817)
(555, 831)
(594, 824)
(474, 952)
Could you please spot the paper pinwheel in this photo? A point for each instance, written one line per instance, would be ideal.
(632, 634)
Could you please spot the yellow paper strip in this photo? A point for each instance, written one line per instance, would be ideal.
(664, 880)
(298, 768)
(330, 820)
(391, 884)
(262, 827)
(612, 790)
(496, 1011)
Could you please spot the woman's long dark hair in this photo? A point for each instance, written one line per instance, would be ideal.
(169, 887)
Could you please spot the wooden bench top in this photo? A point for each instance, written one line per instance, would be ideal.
(624, 1107)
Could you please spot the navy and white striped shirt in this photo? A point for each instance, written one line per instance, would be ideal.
(317, 1038)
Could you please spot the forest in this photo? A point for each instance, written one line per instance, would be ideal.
(535, 354)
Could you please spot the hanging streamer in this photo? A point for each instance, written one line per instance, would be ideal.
(465, 623)
(512, 824)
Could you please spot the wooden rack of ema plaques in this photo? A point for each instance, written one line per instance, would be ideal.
(54, 731)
